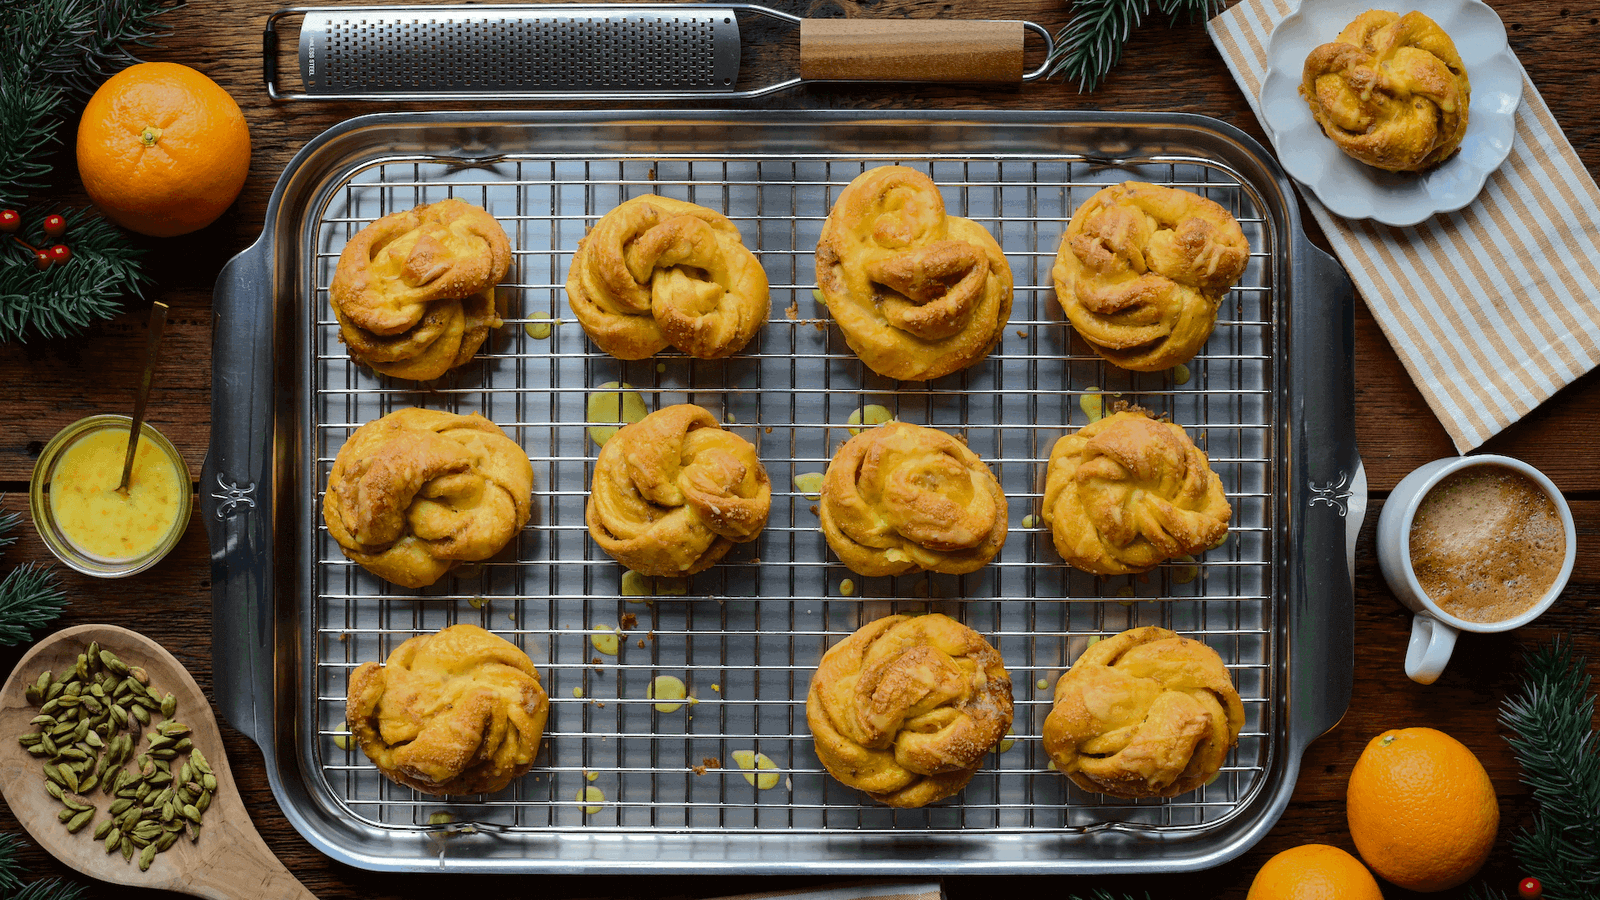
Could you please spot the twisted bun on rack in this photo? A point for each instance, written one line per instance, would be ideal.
(674, 492)
(656, 272)
(906, 708)
(903, 498)
(457, 712)
(1390, 90)
(419, 492)
(1145, 713)
(1128, 492)
(1142, 269)
(917, 293)
(414, 291)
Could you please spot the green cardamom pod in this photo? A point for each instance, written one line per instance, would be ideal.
(166, 840)
(146, 857)
(113, 838)
(89, 783)
(127, 847)
(81, 819)
(102, 829)
(110, 661)
(54, 790)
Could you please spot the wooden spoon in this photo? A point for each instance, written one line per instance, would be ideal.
(228, 862)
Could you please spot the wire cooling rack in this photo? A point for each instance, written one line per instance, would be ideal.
(746, 635)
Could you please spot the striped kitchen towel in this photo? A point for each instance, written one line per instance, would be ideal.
(1492, 308)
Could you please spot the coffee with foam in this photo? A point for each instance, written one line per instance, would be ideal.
(1486, 544)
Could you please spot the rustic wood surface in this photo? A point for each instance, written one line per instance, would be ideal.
(230, 862)
(45, 385)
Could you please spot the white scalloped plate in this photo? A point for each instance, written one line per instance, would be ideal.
(1358, 191)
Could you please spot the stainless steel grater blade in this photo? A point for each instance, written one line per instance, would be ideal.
(598, 51)
(516, 49)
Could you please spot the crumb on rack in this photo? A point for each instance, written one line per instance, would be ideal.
(629, 620)
(793, 312)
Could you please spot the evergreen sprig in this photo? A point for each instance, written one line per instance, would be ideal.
(62, 300)
(11, 873)
(10, 868)
(8, 521)
(30, 599)
(1090, 45)
(1555, 744)
(79, 43)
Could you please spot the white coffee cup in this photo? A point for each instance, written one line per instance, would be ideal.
(1433, 631)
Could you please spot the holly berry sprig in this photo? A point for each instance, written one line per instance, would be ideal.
(54, 226)
(1530, 889)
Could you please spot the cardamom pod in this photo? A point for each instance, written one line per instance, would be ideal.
(146, 857)
(81, 819)
(113, 838)
(199, 760)
(89, 783)
(118, 807)
(127, 847)
(165, 841)
(54, 790)
(103, 829)
(204, 803)
(111, 662)
(169, 705)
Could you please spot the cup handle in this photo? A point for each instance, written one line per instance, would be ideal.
(1431, 643)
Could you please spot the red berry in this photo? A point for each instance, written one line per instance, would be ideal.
(1530, 889)
(54, 226)
(60, 253)
(41, 259)
(10, 220)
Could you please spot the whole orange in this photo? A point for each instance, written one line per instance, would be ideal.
(162, 149)
(1422, 811)
(1314, 872)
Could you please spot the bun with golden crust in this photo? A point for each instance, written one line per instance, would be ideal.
(1128, 492)
(1391, 91)
(1145, 713)
(903, 498)
(906, 708)
(916, 292)
(657, 272)
(419, 492)
(1142, 269)
(414, 291)
(674, 492)
(456, 712)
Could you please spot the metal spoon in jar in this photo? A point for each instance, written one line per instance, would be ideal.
(158, 321)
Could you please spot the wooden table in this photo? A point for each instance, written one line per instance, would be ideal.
(45, 385)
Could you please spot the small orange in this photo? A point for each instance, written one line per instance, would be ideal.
(1314, 872)
(1422, 811)
(162, 149)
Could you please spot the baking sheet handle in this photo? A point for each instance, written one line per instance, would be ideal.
(1332, 495)
(236, 492)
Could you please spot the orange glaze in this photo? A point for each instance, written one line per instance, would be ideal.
(97, 519)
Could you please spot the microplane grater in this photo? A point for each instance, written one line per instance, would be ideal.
(508, 52)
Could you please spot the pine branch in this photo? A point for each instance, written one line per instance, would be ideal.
(1091, 43)
(30, 116)
(1556, 746)
(30, 599)
(10, 869)
(62, 300)
(79, 43)
(8, 521)
(51, 889)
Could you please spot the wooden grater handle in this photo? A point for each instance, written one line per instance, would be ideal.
(911, 50)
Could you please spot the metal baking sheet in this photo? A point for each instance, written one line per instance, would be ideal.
(746, 635)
